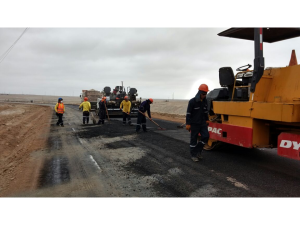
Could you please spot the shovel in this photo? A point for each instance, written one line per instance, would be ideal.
(152, 121)
(128, 115)
(181, 126)
(93, 118)
(106, 112)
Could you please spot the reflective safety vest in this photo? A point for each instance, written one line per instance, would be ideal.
(60, 108)
(126, 106)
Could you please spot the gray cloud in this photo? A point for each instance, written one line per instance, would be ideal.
(156, 61)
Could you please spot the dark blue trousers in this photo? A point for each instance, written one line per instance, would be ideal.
(195, 146)
(141, 120)
(60, 121)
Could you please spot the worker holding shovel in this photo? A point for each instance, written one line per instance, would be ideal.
(126, 110)
(102, 110)
(141, 120)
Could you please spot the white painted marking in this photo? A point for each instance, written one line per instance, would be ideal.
(93, 160)
(73, 129)
(80, 140)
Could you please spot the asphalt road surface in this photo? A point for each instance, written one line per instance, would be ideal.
(111, 160)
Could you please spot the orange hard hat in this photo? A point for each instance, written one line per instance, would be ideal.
(151, 100)
(103, 97)
(203, 87)
(85, 98)
(126, 97)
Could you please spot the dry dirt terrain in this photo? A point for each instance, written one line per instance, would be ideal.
(23, 130)
(40, 159)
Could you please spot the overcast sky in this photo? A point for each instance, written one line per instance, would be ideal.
(156, 61)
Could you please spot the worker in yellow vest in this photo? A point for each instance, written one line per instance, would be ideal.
(60, 109)
(126, 104)
(86, 107)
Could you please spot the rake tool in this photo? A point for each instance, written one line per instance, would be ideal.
(152, 121)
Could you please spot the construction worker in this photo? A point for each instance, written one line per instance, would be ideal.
(141, 120)
(86, 107)
(60, 109)
(102, 110)
(126, 110)
(197, 122)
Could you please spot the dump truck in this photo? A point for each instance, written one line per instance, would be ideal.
(92, 96)
(116, 96)
(258, 108)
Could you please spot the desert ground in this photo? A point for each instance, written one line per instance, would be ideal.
(40, 159)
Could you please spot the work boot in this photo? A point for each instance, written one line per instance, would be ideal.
(62, 125)
(195, 159)
(199, 156)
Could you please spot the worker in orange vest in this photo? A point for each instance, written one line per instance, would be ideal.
(60, 109)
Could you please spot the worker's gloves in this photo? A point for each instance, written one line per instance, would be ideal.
(188, 127)
(207, 122)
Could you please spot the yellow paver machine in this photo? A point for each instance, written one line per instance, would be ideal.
(258, 108)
